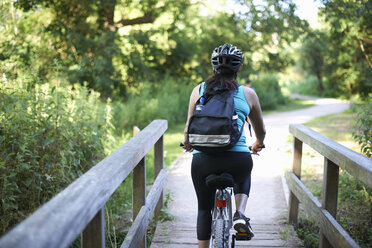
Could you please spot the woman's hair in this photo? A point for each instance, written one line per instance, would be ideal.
(220, 80)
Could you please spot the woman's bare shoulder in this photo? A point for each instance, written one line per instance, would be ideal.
(250, 93)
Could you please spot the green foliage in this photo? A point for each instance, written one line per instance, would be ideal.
(168, 100)
(113, 45)
(49, 136)
(268, 90)
(349, 65)
(309, 86)
(312, 56)
(83, 36)
(363, 132)
(308, 231)
(306, 86)
(355, 209)
(273, 26)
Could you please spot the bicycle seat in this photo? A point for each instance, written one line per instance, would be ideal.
(221, 181)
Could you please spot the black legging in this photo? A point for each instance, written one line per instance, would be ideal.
(238, 164)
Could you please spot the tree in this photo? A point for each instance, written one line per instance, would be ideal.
(350, 49)
(274, 26)
(86, 34)
(312, 55)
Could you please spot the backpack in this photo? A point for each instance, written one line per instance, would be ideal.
(213, 127)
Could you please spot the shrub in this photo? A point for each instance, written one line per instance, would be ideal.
(49, 136)
(363, 132)
(354, 211)
(168, 100)
(307, 86)
(268, 90)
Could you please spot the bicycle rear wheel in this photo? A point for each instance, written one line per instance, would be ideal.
(218, 233)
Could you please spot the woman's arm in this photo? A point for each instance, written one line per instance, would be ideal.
(256, 118)
(193, 98)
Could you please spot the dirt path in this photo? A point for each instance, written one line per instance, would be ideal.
(267, 205)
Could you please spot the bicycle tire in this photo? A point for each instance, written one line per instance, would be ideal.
(218, 241)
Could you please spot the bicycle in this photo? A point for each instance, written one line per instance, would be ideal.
(222, 219)
(222, 212)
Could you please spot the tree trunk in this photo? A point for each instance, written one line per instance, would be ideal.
(320, 82)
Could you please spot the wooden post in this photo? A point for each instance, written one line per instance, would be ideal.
(136, 130)
(139, 191)
(296, 169)
(93, 235)
(159, 164)
(330, 194)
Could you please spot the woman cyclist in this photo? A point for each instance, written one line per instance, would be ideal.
(226, 61)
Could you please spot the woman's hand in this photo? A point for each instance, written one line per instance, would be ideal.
(257, 147)
(185, 145)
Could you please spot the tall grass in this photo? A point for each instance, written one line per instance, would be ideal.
(49, 136)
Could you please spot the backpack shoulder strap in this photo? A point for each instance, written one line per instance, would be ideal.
(202, 88)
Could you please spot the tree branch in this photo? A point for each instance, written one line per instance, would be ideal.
(146, 18)
(364, 53)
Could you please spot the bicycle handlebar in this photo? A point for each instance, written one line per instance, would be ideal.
(249, 147)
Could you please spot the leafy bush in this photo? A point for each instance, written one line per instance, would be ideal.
(308, 231)
(49, 136)
(268, 90)
(363, 132)
(168, 100)
(307, 86)
(355, 209)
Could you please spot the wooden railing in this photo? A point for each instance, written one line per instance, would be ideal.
(79, 209)
(335, 156)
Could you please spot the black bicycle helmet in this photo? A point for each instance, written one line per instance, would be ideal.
(228, 57)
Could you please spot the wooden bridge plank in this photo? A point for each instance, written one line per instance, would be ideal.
(170, 235)
(70, 211)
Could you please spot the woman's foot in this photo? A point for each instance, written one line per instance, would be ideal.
(241, 224)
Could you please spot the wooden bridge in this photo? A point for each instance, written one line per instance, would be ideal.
(79, 209)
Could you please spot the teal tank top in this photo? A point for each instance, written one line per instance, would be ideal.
(242, 109)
